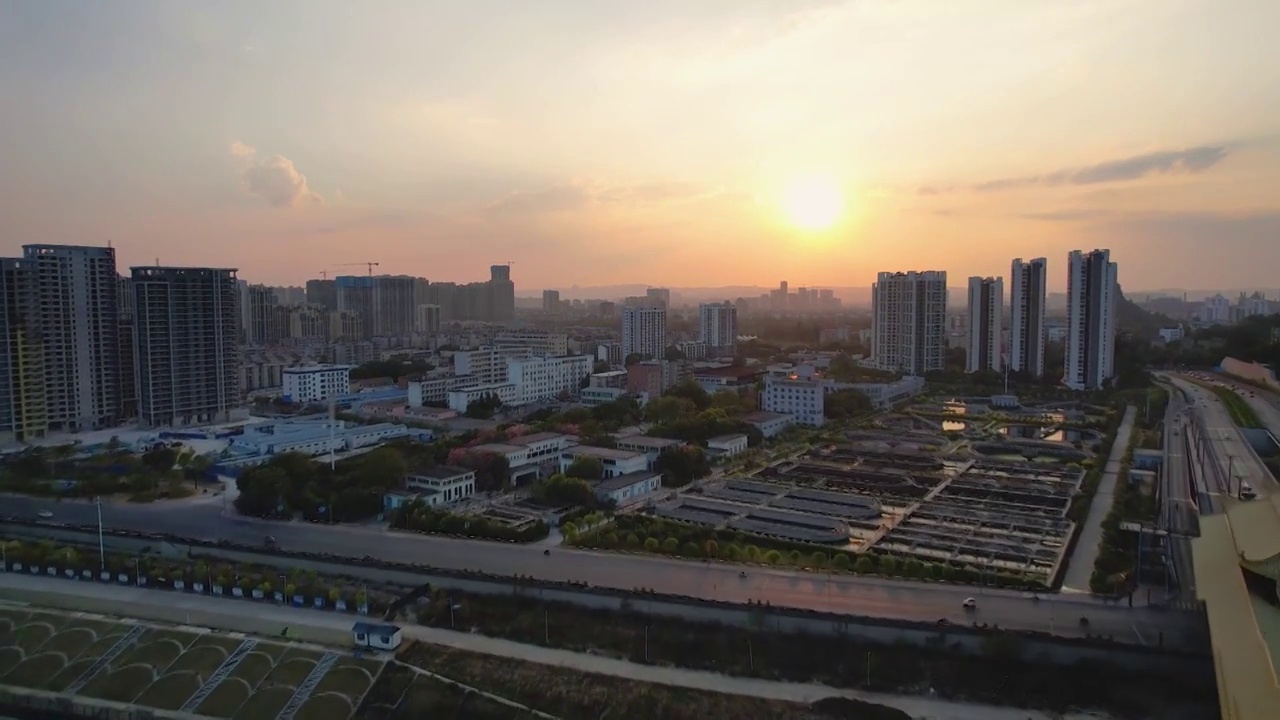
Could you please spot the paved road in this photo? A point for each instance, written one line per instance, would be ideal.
(210, 612)
(1220, 448)
(1177, 511)
(1080, 566)
(871, 597)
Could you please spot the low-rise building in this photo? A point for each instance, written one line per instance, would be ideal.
(592, 396)
(650, 446)
(615, 462)
(541, 344)
(442, 484)
(313, 437)
(727, 445)
(609, 379)
(769, 423)
(628, 489)
(460, 400)
(887, 394)
(316, 383)
(714, 380)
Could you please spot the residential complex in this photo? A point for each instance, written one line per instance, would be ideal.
(986, 314)
(1091, 330)
(908, 321)
(186, 345)
(22, 387)
(644, 331)
(1026, 316)
(544, 378)
(718, 328)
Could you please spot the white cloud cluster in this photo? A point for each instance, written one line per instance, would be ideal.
(274, 178)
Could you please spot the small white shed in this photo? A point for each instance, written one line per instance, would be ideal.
(377, 636)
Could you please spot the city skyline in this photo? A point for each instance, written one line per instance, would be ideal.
(735, 142)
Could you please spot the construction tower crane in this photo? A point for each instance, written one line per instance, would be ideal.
(370, 265)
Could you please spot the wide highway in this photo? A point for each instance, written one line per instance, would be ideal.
(873, 597)
(1219, 448)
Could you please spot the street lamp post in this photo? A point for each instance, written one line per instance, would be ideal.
(102, 553)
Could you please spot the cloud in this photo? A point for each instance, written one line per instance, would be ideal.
(274, 178)
(1076, 215)
(1189, 161)
(578, 194)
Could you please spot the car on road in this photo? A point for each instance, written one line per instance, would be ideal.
(44, 514)
(970, 603)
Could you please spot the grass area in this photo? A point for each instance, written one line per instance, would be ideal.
(1241, 413)
(573, 695)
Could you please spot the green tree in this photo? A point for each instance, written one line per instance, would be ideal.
(651, 544)
(681, 465)
(670, 545)
(585, 468)
(840, 561)
(844, 404)
(563, 490)
(710, 548)
(864, 564)
(888, 564)
(818, 559)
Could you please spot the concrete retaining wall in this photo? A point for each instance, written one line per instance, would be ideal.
(1250, 371)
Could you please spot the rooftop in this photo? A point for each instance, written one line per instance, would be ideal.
(500, 448)
(536, 438)
(622, 481)
(443, 472)
(721, 439)
(733, 372)
(655, 443)
(600, 452)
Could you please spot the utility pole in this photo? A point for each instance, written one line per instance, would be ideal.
(546, 628)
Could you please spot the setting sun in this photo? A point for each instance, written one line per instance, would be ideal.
(813, 202)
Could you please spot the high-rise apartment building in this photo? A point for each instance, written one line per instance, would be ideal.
(427, 319)
(502, 293)
(188, 355)
(394, 310)
(265, 321)
(22, 386)
(355, 296)
(1091, 312)
(644, 332)
(78, 310)
(551, 302)
(659, 296)
(986, 314)
(718, 328)
(128, 369)
(908, 321)
(1026, 316)
(323, 293)
(308, 323)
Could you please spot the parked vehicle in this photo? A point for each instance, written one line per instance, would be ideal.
(970, 603)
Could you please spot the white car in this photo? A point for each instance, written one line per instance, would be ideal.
(970, 603)
(44, 514)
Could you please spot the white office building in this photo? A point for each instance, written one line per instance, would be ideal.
(1091, 311)
(1027, 328)
(315, 383)
(487, 365)
(909, 321)
(459, 400)
(800, 397)
(718, 328)
(986, 314)
(538, 343)
(644, 331)
(544, 378)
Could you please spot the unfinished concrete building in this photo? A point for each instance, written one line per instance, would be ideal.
(77, 298)
(186, 346)
(22, 406)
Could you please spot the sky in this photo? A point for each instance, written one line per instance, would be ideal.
(668, 142)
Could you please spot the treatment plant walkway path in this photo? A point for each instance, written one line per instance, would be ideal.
(1080, 566)
(329, 627)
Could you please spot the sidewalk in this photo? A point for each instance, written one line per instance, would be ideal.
(327, 627)
(1080, 566)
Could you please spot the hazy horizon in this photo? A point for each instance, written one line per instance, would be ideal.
(717, 143)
